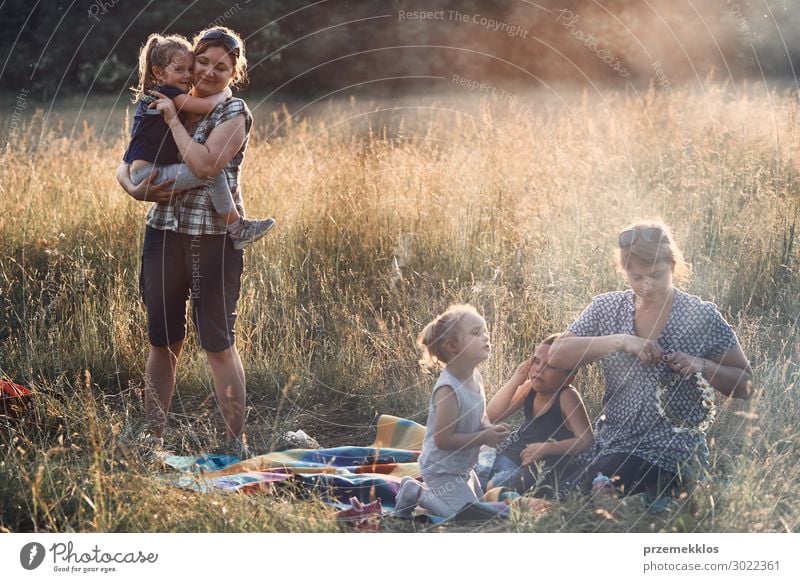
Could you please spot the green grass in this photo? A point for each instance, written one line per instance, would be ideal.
(384, 219)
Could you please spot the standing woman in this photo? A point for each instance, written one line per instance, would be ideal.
(186, 252)
(663, 354)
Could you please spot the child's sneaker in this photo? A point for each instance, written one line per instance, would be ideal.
(250, 231)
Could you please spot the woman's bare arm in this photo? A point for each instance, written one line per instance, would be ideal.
(728, 373)
(570, 351)
(210, 158)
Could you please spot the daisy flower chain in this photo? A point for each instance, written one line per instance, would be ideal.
(665, 387)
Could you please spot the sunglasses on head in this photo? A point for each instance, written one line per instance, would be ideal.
(226, 38)
(649, 234)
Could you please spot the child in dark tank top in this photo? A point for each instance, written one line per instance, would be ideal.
(539, 455)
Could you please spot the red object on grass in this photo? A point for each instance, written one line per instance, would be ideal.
(14, 400)
(363, 516)
(11, 390)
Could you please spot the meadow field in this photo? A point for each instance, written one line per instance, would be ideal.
(387, 212)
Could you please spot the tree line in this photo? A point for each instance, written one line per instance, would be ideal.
(314, 47)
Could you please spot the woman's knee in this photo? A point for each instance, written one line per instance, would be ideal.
(172, 350)
(225, 356)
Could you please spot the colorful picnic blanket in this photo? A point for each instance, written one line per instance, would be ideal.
(335, 474)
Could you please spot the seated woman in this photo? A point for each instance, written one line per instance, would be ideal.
(663, 353)
(539, 455)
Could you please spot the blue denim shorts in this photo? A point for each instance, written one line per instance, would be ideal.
(504, 472)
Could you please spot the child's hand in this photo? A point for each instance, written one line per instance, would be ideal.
(533, 452)
(495, 434)
(523, 371)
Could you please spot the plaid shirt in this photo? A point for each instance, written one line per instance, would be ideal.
(192, 212)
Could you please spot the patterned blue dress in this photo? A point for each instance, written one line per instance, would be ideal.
(630, 422)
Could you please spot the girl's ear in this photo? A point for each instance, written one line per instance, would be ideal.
(451, 348)
(157, 72)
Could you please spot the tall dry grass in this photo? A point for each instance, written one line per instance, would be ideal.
(387, 213)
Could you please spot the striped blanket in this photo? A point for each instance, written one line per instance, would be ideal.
(336, 474)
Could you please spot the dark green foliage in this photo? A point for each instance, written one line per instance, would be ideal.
(313, 48)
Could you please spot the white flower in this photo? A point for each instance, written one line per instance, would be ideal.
(707, 401)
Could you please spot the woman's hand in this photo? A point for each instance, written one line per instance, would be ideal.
(647, 350)
(165, 105)
(145, 191)
(685, 364)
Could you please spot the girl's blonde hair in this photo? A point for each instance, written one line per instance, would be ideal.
(649, 253)
(158, 51)
(232, 43)
(437, 332)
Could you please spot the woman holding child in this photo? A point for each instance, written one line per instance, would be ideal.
(663, 353)
(186, 251)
